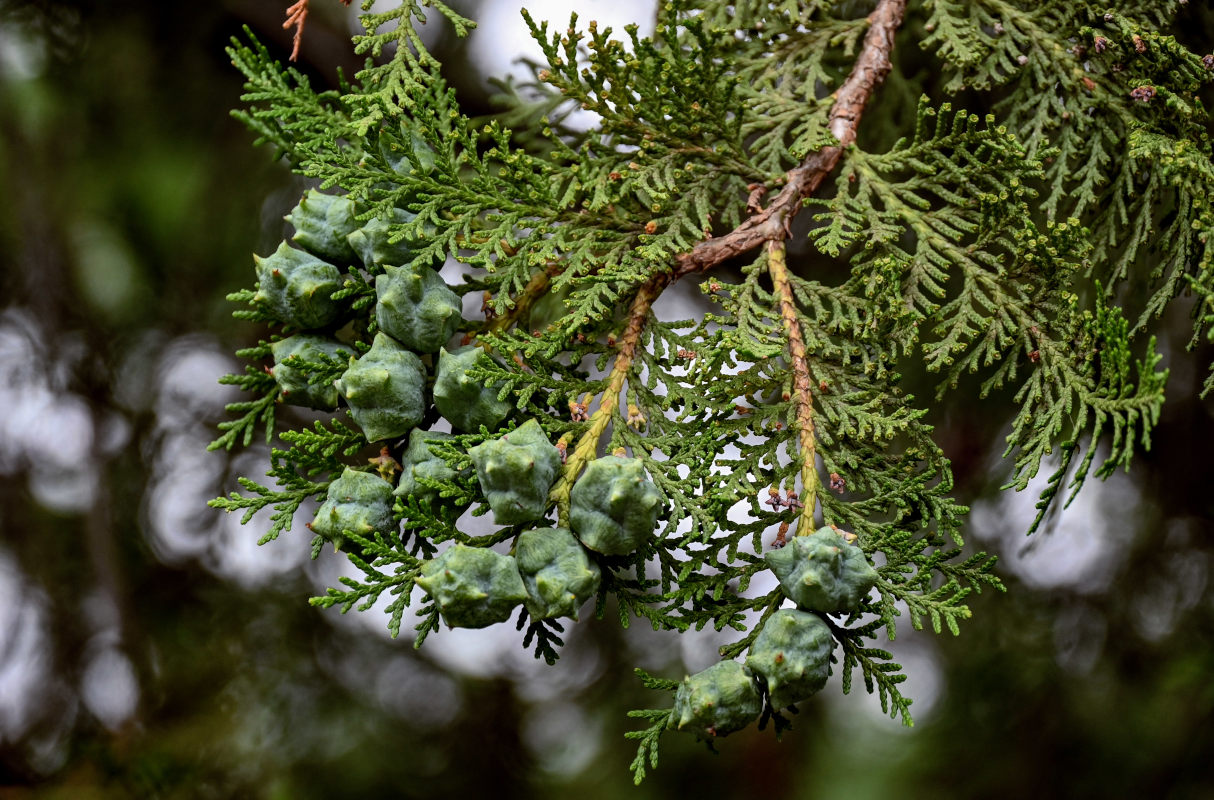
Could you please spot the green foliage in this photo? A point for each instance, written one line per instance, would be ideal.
(1004, 252)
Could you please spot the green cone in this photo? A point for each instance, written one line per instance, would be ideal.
(296, 288)
(516, 472)
(822, 572)
(420, 462)
(371, 243)
(558, 574)
(416, 307)
(717, 701)
(296, 390)
(613, 507)
(357, 501)
(322, 223)
(792, 655)
(466, 402)
(473, 587)
(384, 390)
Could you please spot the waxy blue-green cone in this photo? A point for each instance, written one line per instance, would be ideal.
(385, 390)
(296, 288)
(516, 472)
(416, 307)
(792, 655)
(614, 507)
(371, 243)
(473, 587)
(557, 572)
(303, 347)
(420, 462)
(822, 571)
(322, 223)
(395, 154)
(717, 701)
(360, 502)
(465, 401)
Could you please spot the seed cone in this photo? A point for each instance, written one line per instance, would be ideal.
(613, 507)
(473, 587)
(384, 390)
(557, 572)
(360, 502)
(293, 381)
(792, 655)
(516, 471)
(717, 701)
(296, 288)
(464, 400)
(416, 307)
(822, 571)
(322, 223)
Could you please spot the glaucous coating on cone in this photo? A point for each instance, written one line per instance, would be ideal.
(357, 501)
(473, 587)
(792, 655)
(420, 462)
(416, 307)
(385, 390)
(516, 472)
(396, 156)
(557, 572)
(371, 243)
(296, 390)
(322, 223)
(822, 571)
(717, 701)
(296, 288)
(613, 507)
(465, 401)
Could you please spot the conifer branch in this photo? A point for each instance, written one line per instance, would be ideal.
(773, 223)
(803, 399)
(587, 445)
(534, 290)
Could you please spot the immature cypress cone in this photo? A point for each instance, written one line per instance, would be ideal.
(473, 587)
(717, 701)
(384, 390)
(613, 507)
(296, 390)
(558, 574)
(322, 223)
(792, 654)
(420, 462)
(396, 156)
(360, 502)
(371, 243)
(822, 571)
(465, 401)
(516, 472)
(296, 288)
(416, 307)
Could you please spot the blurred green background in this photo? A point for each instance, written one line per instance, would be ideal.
(148, 648)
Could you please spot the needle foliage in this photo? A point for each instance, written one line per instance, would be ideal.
(1027, 249)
